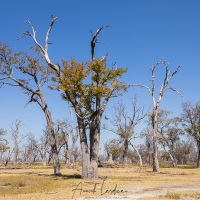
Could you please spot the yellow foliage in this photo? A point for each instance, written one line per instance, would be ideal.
(87, 81)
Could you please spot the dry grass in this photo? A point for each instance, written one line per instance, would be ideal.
(38, 183)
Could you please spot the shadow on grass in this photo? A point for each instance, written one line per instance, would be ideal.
(72, 176)
(63, 176)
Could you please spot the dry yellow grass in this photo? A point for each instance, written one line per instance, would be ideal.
(38, 183)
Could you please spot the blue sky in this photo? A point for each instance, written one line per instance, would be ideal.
(141, 33)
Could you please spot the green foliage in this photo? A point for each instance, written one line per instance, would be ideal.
(3, 142)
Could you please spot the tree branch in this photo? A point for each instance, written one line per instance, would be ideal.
(174, 90)
(95, 40)
(44, 50)
(48, 32)
(140, 85)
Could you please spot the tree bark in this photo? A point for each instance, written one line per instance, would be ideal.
(56, 163)
(84, 149)
(44, 151)
(156, 167)
(51, 133)
(89, 158)
(140, 157)
(125, 153)
(94, 147)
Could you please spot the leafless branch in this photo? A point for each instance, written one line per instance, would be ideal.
(48, 32)
(175, 72)
(140, 85)
(95, 39)
(174, 90)
(44, 50)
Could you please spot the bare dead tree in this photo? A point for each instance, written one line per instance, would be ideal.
(124, 125)
(29, 153)
(156, 103)
(32, 86)
(17, 138)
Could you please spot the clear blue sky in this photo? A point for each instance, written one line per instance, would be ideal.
(142, 32)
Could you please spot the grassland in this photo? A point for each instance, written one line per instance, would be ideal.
(38, 183)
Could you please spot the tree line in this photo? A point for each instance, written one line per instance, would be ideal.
(87, 86)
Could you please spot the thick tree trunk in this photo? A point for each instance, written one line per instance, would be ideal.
(125, 153)
(84, 149)
(51, 133)
(94, 147)
(155, 155)
(156, 167)
(44, 152)
(89, 159)
(56, 163)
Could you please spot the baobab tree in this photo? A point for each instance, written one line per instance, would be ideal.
(89, 100)
(34, 75)
(156, 103)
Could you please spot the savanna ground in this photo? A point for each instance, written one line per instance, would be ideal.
(38, 183)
